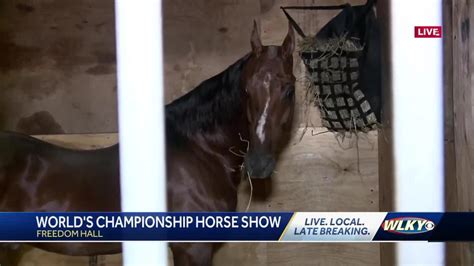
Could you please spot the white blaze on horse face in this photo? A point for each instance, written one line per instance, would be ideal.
(263, 118)
(266, 82)
(261, 123)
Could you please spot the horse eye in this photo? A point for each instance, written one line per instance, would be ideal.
(290, 92)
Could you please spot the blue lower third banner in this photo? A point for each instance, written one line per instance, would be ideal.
(223, 227)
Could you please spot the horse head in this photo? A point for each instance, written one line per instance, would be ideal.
(269, 85)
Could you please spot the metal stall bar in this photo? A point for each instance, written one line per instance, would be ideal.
(417, 83)
(141, 119)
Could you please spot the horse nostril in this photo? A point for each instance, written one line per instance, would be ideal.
(247, 163)
(259, 165)
(268, 170)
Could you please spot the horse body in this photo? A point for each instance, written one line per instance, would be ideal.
(197, 183)
(208, 132)
(202, 173)
(38, 176)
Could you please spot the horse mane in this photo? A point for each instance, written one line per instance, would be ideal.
(212, 103)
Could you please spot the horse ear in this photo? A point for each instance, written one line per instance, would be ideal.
(289, 42)
(255, 40)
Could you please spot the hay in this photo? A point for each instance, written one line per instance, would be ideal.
(353, 120)
(329, 60)
(333, 45)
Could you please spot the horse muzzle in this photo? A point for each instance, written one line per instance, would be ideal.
(259, 165)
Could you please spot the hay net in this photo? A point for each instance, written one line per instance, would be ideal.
(334, 60)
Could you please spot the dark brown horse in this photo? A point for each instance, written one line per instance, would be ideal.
(246, 108)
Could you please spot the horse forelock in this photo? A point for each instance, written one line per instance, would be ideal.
(272, 51)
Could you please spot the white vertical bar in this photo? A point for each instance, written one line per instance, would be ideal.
(418, 120)
(141, 119)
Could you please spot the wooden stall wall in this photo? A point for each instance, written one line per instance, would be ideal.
(57, 66)
(202, 37)
(459, 113)
(385, 140)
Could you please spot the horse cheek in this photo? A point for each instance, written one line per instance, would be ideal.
(286, 118)
(249, 114)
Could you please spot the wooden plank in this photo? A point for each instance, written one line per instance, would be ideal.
(459, 125)
(450, 168)
(81, 141)
(453, 250)
(385, 141)
(462, 90)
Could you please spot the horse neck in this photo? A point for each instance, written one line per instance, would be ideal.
(212, 119)
(214, 110)
(227, 144)
(232, 133)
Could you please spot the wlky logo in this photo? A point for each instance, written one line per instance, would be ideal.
(428, 32)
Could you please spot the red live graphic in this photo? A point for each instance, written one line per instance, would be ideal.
(428, 32)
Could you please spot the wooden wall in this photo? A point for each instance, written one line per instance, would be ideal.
(57, 58)
(314, 174)
(202, 38)
(57, 66)
(459, 123)
(56, 54)
(385, 140)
